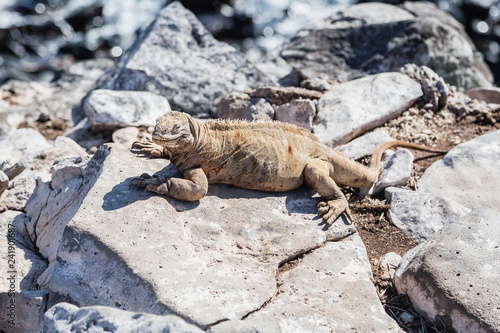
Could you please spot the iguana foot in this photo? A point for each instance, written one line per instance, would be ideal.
(151, 183)
(331, 210)
(149, 148)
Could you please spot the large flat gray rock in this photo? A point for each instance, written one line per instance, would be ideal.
(176, 57)
(453, 277)
(209, 261)
(355, 107)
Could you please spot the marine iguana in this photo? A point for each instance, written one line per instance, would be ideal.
(264, 155)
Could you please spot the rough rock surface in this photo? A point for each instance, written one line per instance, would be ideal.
(110, 109)
(241, 106)
(452, 277)
(363, 104)
(419, 214)
(176, 57)
(368, 38)
(65, 317)
(207, 261)
(300, 112)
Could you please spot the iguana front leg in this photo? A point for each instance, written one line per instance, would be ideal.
(192, 188)
(150, 148)
(317, 174)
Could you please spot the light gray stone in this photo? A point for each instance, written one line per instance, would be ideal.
(65, 317)
(469, 174)
(387, 265)
(22, 304)
(372, 38)
(396, 170)
(206, 261)
(419, 214)
(453, 276)
(110, 109)
(300, 112)
(20, 143)
(355, 107)
(176, 57)
(322, 294)
(126, 136)
(364, 145)
(241, 106)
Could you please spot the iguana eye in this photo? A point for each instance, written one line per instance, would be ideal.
(176, 128)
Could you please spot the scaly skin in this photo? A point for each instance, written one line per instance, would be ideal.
(266, 156)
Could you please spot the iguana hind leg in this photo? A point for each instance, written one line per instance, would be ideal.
(192, 188)
(317, 174)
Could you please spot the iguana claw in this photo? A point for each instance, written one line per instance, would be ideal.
(331, 210)
(146, 180)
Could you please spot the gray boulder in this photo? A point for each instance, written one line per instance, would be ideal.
(453, 277)
(209, 261)
(352, 108)
(109, 109)
(176, 57)
(65, 317)
(364, 145)
(371, 38)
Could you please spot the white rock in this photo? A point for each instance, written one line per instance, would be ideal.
(109, 109)
(420, 215)
(388, 264)
(453, 276)
(300, 112)
(355, 107)
(364, 145)
(396, 170)
(65, 317)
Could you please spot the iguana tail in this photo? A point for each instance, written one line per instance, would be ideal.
(377, 155)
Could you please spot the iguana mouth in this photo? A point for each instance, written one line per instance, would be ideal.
(167, 138)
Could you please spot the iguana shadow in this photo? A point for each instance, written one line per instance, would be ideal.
(124, 193)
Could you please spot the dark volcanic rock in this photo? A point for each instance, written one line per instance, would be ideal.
(373, 37)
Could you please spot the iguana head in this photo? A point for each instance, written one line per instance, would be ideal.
(174, 130)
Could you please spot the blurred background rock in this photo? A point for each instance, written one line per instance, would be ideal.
(40, 38)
